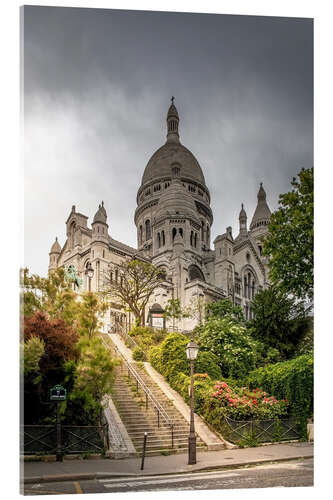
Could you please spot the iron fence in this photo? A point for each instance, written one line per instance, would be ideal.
(259, 431)
(42, 439)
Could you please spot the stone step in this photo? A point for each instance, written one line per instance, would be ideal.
(161, 432)
(138, 419)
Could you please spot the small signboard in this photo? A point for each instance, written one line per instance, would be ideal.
(58, 393)
(157, 322)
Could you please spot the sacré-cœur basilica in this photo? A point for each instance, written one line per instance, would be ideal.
(173, 220)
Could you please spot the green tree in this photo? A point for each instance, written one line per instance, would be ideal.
(132, 283)
(174, 311)
(52, 295)
(93, 376)
(90, 308)
(31, 352)
(224, 307)
(278, 322)
(289, 243)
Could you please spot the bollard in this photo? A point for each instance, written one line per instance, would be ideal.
(171, 435)
(143, 450)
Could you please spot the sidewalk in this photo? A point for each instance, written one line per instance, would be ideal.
(91, 469)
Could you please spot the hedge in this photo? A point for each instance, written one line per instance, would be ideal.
(291, 380)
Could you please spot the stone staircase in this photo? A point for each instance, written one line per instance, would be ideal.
(131, 405)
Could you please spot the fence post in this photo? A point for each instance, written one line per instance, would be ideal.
(171, 435)
(158, 418)
(143, 450)
(59, 453)
(146, 401)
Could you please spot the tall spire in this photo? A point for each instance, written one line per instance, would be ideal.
(262, 212)
(172, 122)
(242, 222)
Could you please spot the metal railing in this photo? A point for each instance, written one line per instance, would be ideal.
(127, 338)
(160, 411)
(170, 329)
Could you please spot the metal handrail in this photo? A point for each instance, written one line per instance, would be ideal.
(128, 338)
(157, 406)
(146, 389)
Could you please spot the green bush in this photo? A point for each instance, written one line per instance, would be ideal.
(138, 354)
(155, 358)
(146, 336)
(235, 349)
(207, 362)
(170, 358)
(291, 380)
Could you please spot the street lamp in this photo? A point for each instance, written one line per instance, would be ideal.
(89, 272)
(192, 352)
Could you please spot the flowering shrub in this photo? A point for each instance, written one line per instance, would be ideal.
(241, 403)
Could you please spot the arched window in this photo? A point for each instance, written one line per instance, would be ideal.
(175, 169)
(180, 231)
(174, 232)
(148, 229)
(195, 273)
(195, 240)
(207, 235)
(163, 238)
(245, 286)
(140, 235)
(202, 232)
(158, 240)
(163, 272)
(191, 239)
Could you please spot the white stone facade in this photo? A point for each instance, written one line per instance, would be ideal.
(173, 220)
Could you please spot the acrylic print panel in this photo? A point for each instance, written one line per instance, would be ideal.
(156, 145)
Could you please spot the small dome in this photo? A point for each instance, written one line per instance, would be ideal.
(175, 200)
(100, 215)
(56, 248)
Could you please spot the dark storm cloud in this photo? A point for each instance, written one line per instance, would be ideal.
(97, 88)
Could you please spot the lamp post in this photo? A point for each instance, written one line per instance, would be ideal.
(89, 272)
(192, 353)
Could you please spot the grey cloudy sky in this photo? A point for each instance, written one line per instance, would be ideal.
(97, 86)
